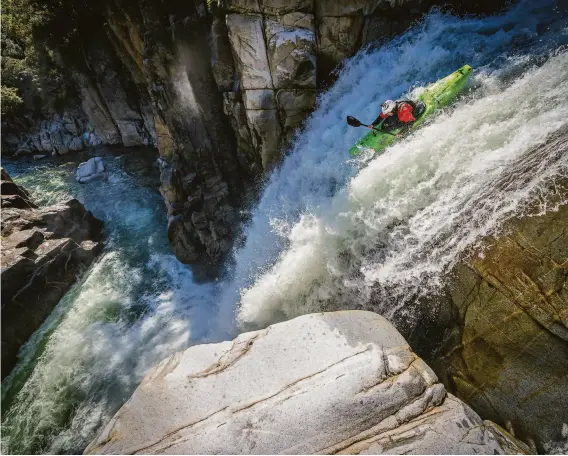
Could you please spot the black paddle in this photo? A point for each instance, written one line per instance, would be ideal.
(353, 122)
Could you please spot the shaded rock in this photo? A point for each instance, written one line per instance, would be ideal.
(43, 251)
(380, 28)
(260, 99)
(298, 19)
(12, 195)
(92, 169)
(95, 107)
(295, 105)
(221, 57)
(240, 6)
(506, 351)
(235, 110)
(266, 133)
(278, 7)
(342, 382)
(338, 38)
(350, 8)
(264, 124)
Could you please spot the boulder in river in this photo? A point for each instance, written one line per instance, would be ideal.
(43, 251)
(342, 382)
(92, 169)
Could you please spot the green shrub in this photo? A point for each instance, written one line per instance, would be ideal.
(10, 101)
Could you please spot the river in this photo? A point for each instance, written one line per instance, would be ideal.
(329, 232)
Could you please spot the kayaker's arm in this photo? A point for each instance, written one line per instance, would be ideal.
(378, 121)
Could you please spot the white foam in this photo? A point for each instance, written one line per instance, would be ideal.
(304, 230)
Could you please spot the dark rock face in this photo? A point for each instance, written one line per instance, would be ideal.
(43, 251)
(218, 87)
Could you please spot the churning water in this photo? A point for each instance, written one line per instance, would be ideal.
(327, 232)
(134, 306)
(328, 229)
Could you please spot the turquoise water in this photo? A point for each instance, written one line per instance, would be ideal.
(135, 305)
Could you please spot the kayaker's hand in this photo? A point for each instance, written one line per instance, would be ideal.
(370, 127)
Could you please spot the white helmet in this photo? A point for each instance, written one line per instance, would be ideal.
(388, 106)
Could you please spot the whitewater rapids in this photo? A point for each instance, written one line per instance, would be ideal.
(328, 232)
(403, 218)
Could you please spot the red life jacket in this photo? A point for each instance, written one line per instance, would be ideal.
(403, 111)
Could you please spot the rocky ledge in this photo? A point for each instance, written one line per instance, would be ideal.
(343, 382)
(505, 351)
(43, 251)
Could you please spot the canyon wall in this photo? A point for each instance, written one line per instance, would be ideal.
(219, 88)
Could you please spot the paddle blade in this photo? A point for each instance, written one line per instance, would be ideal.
(353, 121)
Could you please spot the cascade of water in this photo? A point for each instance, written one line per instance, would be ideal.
(327, 229)
(302, 229)
(136, 305)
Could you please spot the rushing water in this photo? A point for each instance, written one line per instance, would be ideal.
(328, 231)
(134, 306)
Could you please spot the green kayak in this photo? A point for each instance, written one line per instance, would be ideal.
(434, 97)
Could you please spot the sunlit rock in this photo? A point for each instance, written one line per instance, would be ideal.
(343, 382)
(92, 169)
(292, 52)
(247, 40)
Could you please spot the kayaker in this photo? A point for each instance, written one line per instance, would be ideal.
(395, 115)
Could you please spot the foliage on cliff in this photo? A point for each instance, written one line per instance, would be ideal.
(32, 77)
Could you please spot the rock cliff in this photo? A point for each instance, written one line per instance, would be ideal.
(506, 350)
(217, 87)
(43, 251)
(332, 383)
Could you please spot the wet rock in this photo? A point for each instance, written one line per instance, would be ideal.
(506, 349)
(344, 382)
(92, 169)
(43, 252)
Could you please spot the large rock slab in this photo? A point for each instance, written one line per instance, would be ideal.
(344, 382)
(43, 252)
